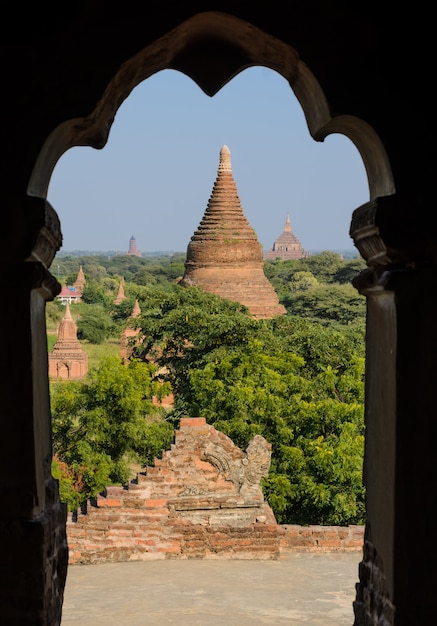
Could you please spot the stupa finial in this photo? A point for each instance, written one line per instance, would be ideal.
(225, 160)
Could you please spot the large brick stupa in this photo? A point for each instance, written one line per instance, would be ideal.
(224, 255)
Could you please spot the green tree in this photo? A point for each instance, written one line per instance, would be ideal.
(350, 270)
(330, 304)
(94, 324)
(296, 382)
(54, 313)
(95, 293)
(94, 271)
(324, 266)
(103, 424)
(301, 281)
(144, 277)
(327, 267)
(315, 426)
(320, 345)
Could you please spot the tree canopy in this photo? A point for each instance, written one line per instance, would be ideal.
(297, 379)
(102, 424)
(294, 381)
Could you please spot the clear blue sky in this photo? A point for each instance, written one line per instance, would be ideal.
(155, 175)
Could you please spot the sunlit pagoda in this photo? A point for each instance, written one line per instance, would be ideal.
(224, 255)
(67, 360)
(287, 245)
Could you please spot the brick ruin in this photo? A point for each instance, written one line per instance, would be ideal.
(201, 500)
(224, 255)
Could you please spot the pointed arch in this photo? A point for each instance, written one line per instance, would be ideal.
(212, 48)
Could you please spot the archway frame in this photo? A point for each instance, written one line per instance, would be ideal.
(212, 48)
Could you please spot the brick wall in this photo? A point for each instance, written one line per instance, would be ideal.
(202, 499)
(294, 538)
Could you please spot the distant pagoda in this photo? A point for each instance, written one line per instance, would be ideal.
(80, 281)
(67, 360)
(287, 245)
(224, 255)
(133, 250)
(120, 294)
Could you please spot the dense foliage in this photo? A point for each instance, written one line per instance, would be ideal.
(104, 424)
(141, 270)
(297, 380)
(94, 324)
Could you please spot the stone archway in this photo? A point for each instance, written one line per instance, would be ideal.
(211, 48)
(226, 46)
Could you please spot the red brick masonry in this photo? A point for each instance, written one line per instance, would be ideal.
(294, 538)
(201, 500)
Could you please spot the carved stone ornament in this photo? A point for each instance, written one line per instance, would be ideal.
(49, 238)
(218, 457)
(256, 465)
(246, 471)
(366, 235)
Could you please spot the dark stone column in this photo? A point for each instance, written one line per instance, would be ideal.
(32, 524)
(400, 286)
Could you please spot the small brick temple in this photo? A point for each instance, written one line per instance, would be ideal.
(67, 360)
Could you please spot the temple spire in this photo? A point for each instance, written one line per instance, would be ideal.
(67, 314)
(120, 295)
(136, 311)
(80, 281)
(225, 160)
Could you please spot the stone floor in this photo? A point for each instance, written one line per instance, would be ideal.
(299, 589)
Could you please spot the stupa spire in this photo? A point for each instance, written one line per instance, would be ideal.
(225, 160)
(80, 281)
(129, 334)
(120, 295)
(287, 226)
(136, 311)
(67, 314)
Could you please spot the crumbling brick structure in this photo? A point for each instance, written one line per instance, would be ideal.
(202, 499)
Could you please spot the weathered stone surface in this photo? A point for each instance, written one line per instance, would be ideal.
(224, 255)
(202, 499)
